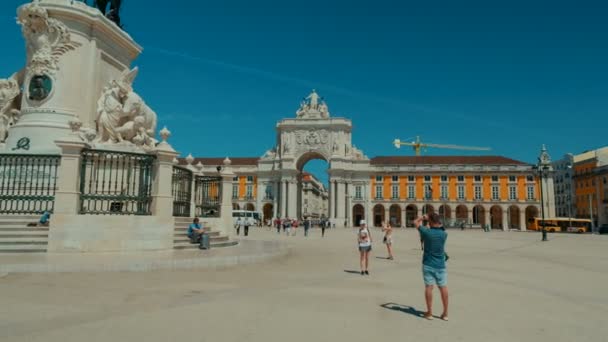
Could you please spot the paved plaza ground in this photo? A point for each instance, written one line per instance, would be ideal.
(503, 287)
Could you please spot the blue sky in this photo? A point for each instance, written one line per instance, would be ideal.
(510, 75)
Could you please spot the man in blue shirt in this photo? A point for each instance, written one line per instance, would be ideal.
(195, 231)
(433, 262)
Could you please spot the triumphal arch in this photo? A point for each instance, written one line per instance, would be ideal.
(312, 134)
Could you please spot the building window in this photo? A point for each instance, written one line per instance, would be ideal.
(444, 178)
(477, 192)
(235, 178)
(530, 192)
(461, 178)
(411, 178)
(495, 195)
(378, 178)
(411, 191)
(428, 192)
(269, 192)
(358, 192)
(444, 191)
(530, 178)
(379, 191)
(512, 193)
(494, 178)
(249, 191)
(512, 179)
(249, 179)
(427, 178)
(461, 192)
(395, 191)
(478, 178)
(395, 178)
(235, 191)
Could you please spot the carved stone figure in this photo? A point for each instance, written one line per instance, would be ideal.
(9, 105)
(313, 107)
(123, 115)
(314, 99)
(47, 39)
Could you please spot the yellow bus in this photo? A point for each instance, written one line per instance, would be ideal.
(560, 224)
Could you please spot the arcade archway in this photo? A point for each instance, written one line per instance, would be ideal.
(358, 214)
(378, 215)
(395, 215)
(411, 212)
(496, 217)
(268, 211)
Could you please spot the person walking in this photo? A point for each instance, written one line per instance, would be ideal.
(239, 223)
(323, 226)
(388, 239)
(277, 223)
(306, 226)
(433, 262)
(364, 241)
(287, 225)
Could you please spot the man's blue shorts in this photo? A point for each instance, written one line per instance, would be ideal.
(434, 276)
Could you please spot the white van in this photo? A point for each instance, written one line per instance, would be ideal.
(248, 215)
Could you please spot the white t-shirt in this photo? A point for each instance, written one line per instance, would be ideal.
(365, 239)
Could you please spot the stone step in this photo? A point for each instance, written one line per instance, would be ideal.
(24, 229)
(185, 232)
(24, 251)
(187, 241)
(23, 242)
(20, 218)
(213, 245)
(16, 223)
(13, 235)
(22, 248)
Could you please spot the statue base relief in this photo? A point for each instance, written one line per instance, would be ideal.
(73, 53)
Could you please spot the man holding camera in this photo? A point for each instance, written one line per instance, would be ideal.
(433, 261)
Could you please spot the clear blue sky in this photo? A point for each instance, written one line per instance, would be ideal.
(510, 75)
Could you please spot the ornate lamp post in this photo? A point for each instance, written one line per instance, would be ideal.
(542, 172)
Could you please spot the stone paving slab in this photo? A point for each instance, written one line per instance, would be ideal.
(504, 286)
(245, 252)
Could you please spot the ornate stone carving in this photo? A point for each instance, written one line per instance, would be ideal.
(9, 105)
(270, 154)
(544, 157)
(311, 137)
(47, 39)
(122, 116)
(313, 107)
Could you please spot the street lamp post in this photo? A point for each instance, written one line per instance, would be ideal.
(542, 171)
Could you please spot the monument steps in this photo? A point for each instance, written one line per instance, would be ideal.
(181, 240)
(17, 237)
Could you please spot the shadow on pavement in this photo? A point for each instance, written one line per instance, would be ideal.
(352, 271)
(403, 308)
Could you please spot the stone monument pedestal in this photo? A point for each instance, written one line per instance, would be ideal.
(73, 51)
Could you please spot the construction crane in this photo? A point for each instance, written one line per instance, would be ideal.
(417, 145)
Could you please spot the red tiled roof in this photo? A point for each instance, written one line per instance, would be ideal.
(238, 161)
(443, 160)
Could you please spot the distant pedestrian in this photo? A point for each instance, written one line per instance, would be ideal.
(323, 226)
(388, 239)
(306, 226)
(364, 241)
(433, 262)
(239, 223)
(277, 223)
(287, 226)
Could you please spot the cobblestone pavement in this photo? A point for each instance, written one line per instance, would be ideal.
(503, 287)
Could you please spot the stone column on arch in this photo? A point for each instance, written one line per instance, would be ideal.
(283, 195)
(340, 205)
(522, 219)
(505, 218)
(470, 214)
(292, 199)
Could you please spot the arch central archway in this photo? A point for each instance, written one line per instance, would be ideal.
(312, 187)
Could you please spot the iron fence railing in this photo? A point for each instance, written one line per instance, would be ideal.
(207, 195)
(28, 183)
(116, 183)
(181, 188)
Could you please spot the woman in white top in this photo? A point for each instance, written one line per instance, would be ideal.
(388, 239)
(364, 240)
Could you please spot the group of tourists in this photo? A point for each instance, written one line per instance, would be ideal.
(290, 226)
(433, 238)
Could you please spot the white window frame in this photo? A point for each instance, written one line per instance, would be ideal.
(395, 191)
(444, 192)
(358, 192)
(379, 191)
(495, 193)
(512, 193)
(478, 192)
(461, 192)
(531, 190)
(411, 191)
